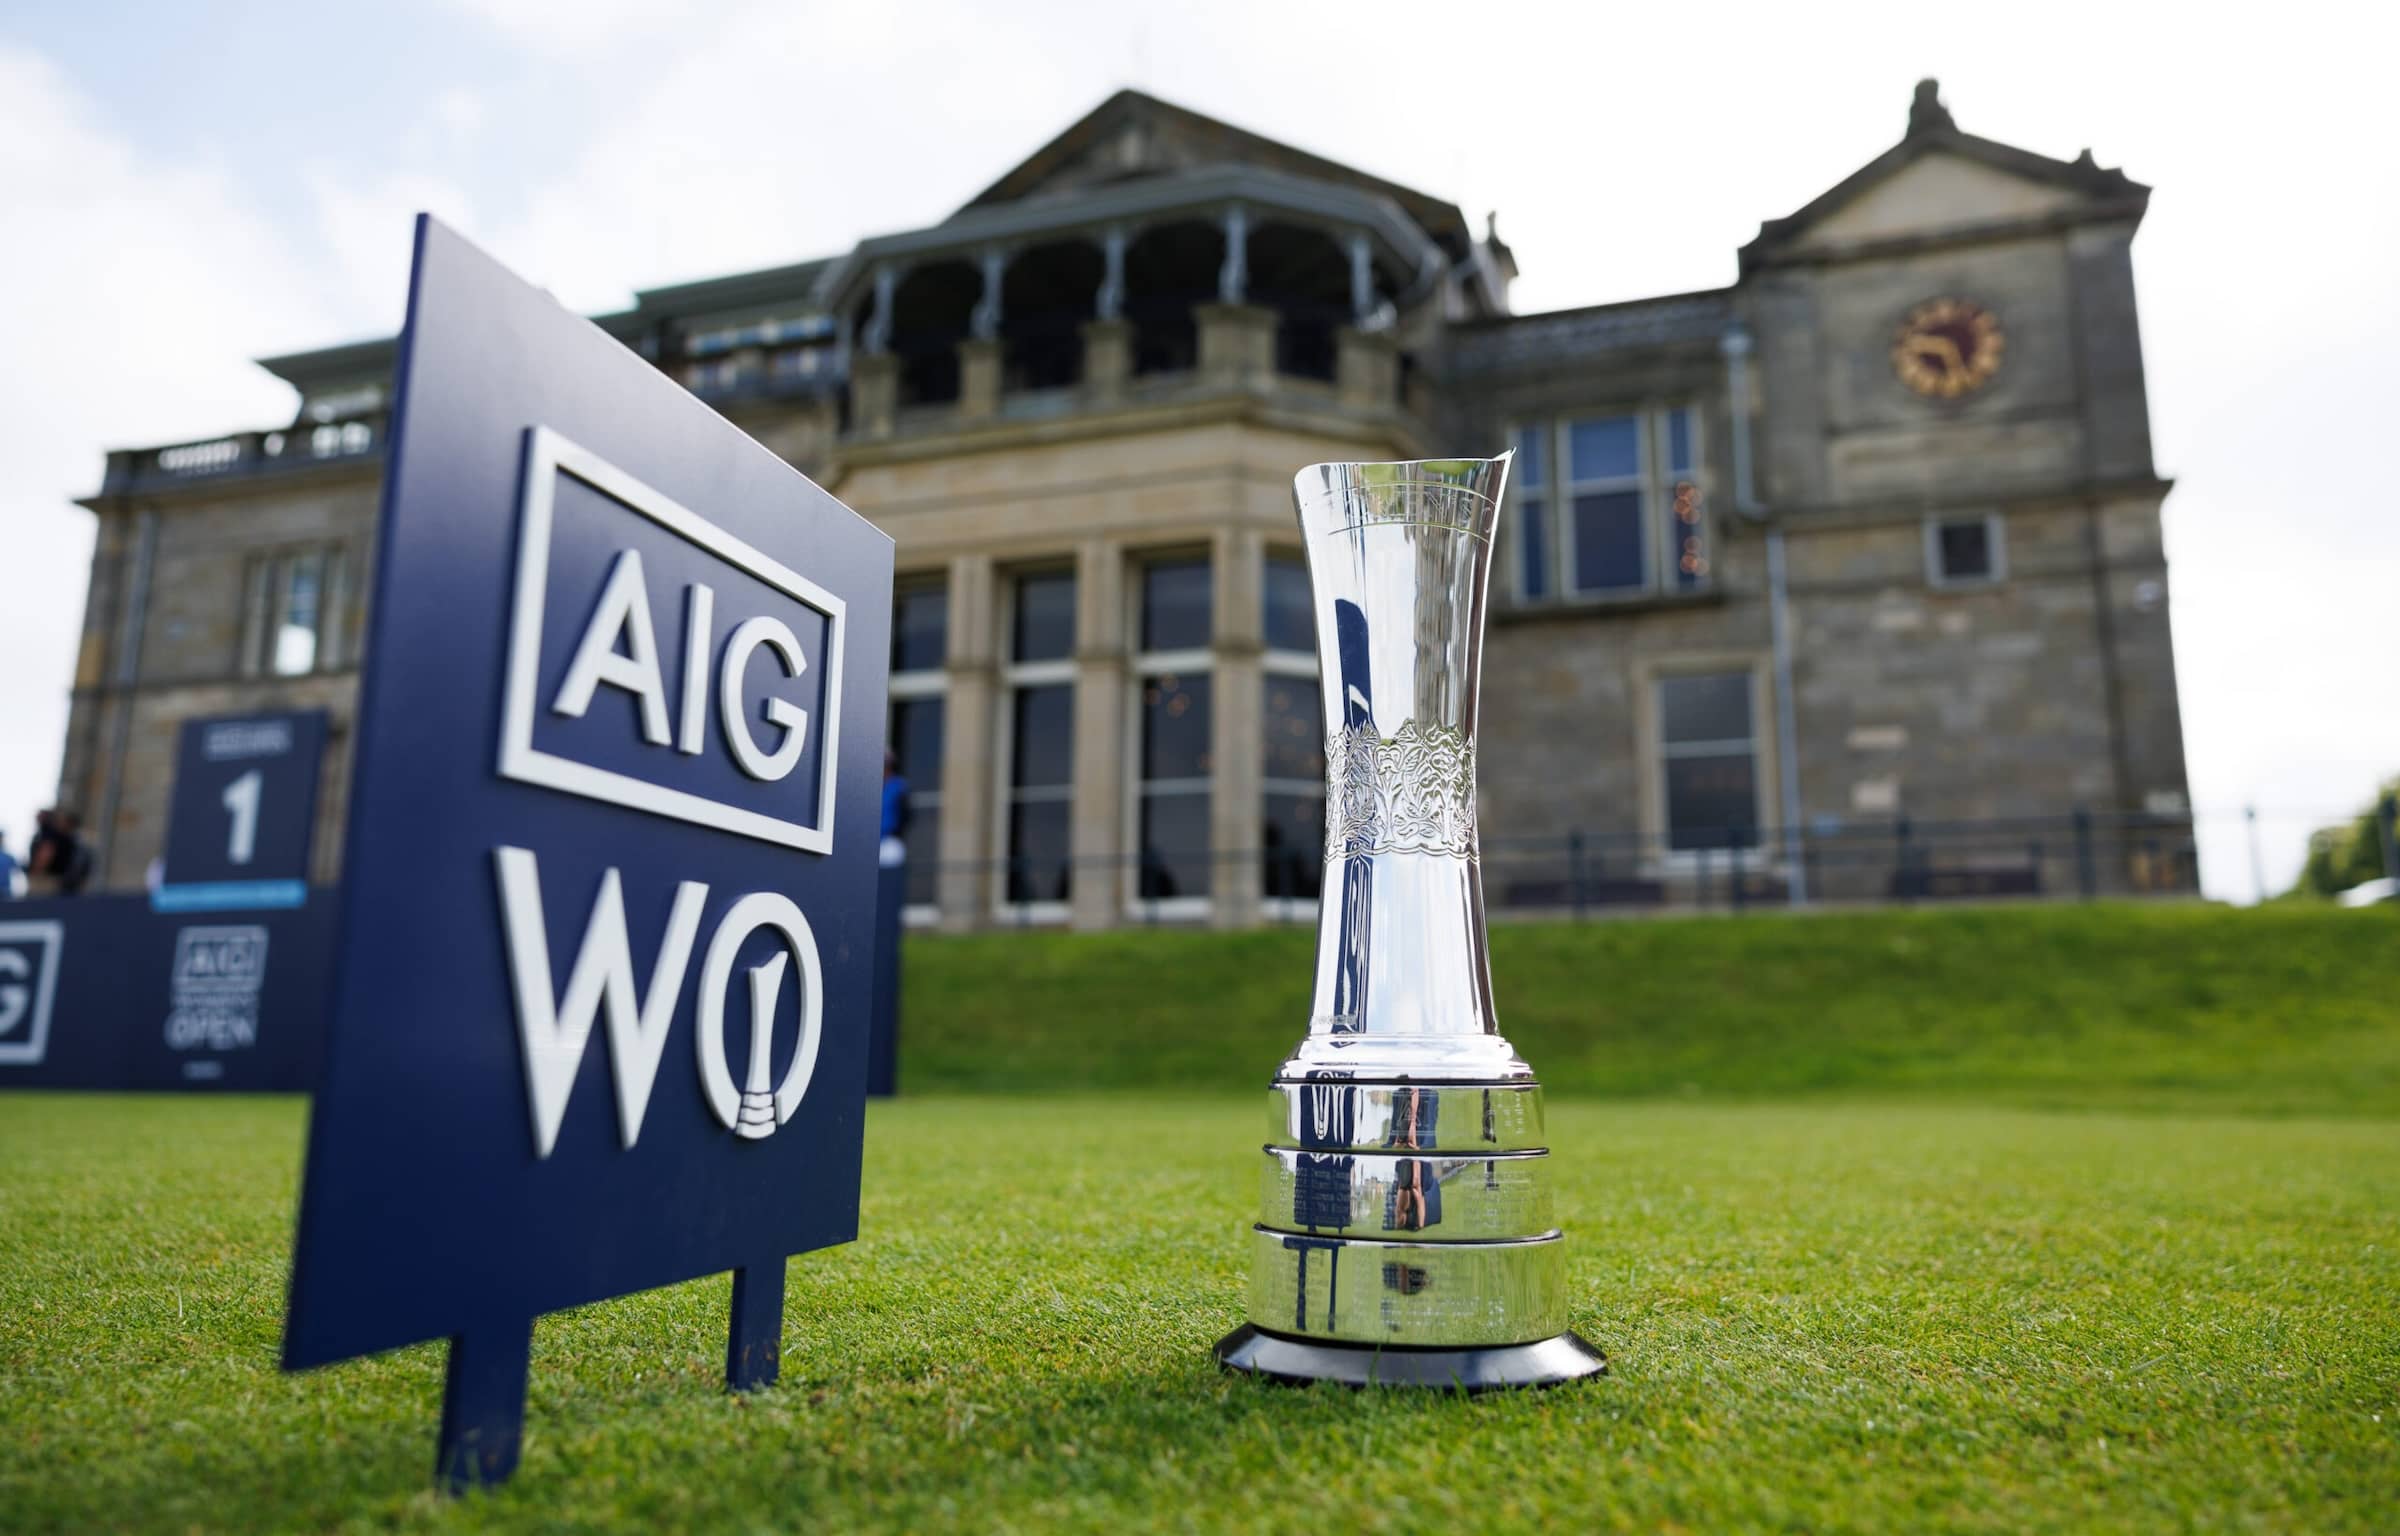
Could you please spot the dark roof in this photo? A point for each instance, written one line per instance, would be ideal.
(1208, 140)
(774, 285)
(326, 368)
(2109, 192)
(1569, 335)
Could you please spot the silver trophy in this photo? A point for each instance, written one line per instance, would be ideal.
(1404, 1231)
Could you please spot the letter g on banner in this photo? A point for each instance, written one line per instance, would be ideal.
(754, 1110)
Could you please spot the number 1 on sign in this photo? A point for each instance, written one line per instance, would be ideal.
(241, 803)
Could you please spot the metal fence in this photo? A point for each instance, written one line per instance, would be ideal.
(1582, 872)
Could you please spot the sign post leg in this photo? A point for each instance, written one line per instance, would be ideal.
(483, 1406)
(754, 1344)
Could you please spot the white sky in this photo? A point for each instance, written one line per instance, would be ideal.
(200, 186)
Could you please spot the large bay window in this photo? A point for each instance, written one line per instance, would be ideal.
(1610, 506)
(920, 645)
(1292, 725)
(1039, 749)
(1171, 673)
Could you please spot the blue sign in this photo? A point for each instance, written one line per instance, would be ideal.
(604, 961)
(102, 992)
(245, 806)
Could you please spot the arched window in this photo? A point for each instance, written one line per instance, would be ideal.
(930, 311)
(1045, 298)
(1170, 270)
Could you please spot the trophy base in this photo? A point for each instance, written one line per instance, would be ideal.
(1276, 1357)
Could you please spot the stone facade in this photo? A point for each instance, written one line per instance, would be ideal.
(1108, 367)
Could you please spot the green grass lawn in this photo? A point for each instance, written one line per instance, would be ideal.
(2062, 1218)
(1821, 1317)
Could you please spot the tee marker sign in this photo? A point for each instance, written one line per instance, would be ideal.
(603, 963)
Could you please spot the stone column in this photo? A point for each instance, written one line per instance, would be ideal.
(874, 393)
(1107, 360)
(1109, 302)
(1236, 803)
(978, 380)
(1098, 836)
(1367, 369)
(1233, 278)
(969, 794)
(1237, 345)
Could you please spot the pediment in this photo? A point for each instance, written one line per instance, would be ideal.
(1940, 182)
(1134, 135)
(1933, 195)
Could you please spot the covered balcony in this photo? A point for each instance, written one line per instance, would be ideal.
(1229, 279)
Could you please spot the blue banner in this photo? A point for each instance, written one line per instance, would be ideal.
(101, 992)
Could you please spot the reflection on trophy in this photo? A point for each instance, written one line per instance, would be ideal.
(1404, 1231)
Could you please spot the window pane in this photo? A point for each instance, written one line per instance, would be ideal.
(1604, 448)
(1045, 627)
(1294, 847)
(1291, 607)
(1712, 801)
(1966, 550)
(924, 872)
(1037, 851)
(1713, 707)
(1679, 441)
(1294, 727)
(1608, 543)
(1042, 741)
(1175, 606)
(1175, 855)
(1533, 543)
(1533, 458)
(920, 628)
(1175, 727)
(917, 742)
(296, 627)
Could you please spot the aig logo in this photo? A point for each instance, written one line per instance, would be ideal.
(28, 984)
(690, 676)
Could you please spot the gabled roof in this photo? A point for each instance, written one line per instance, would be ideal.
(1134, 134)
(2090, 190)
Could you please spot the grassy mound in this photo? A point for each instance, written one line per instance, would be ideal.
(2112, 1006)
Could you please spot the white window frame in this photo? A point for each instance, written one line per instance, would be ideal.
(1995, 539)
(1294, 664)
(926, 683)
(1654, 481)
(1015, 675)
(1190, 661)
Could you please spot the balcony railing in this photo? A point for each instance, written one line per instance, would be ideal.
(246, 453)
(2074, 855)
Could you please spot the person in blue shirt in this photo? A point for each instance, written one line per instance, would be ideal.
(895, 814)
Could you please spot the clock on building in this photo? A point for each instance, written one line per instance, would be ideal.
(1947, 348)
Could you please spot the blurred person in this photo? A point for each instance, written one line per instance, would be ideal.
(891, 891)
(8, 870)
(45, 856)
(56, 863)
(893, 851)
